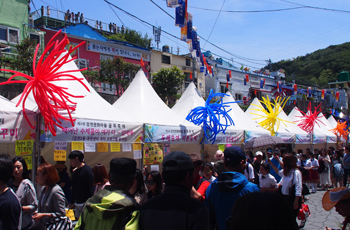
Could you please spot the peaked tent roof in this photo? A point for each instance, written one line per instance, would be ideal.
(92, 106)
(242, 122)
(332, 121)
(7, 106)
(283, 132)
(189, 100)
(143, 104)
(323, 129)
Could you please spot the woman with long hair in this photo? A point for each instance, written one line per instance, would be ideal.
(52, 202)
(100, 175)
(291, 183)
(25, 191)
(154, 184)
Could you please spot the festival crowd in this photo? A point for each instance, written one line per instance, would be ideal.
(241, 190)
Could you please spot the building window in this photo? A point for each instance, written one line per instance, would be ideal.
(35, 37)
(165, 59)
(188, 62)
(238, 97)
(8, 34)
(223, 87)
(81, 63)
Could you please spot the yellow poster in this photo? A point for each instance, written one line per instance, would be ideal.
(59, 155)
(29, 161)
(102, 147)
(24, 147)
(77, 145)
(137, 146)
(221, 147)
(152, 154)
(115, 147)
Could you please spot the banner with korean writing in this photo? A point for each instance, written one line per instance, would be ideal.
(95, 131)
(152, 153)
(122, 52)
(248, 135)
(303, 138)
(288, 137)
(15, 127)
(172, 134)
(230, 137)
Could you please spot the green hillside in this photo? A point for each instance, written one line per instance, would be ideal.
(317, 68)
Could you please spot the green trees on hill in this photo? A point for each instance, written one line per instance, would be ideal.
(317, 68)
(133, 37)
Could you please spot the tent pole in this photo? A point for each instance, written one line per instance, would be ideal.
(37, 146)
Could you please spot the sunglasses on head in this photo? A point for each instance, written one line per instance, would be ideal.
(150, 182)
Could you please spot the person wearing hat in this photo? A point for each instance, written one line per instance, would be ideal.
(174, 209)
(340, 199)
(112, 207)
(200, 184)
(219, 164)
(256, 165)
(222, 194)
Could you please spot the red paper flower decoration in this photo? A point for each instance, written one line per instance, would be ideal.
(49, 97)
(341, 130)
(309, 119)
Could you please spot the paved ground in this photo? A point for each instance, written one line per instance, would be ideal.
(320, 218)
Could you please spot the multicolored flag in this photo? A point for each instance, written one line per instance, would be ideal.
(172, 3)
(295, 86)
(337, 96)
(323, 92)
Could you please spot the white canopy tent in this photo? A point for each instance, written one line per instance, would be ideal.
(13, 125)
(162, 124)
(318, 130)
(96, 119)
(283, 132)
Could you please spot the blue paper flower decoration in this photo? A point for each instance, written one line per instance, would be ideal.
(210, 115)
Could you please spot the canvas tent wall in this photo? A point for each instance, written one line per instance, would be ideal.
(332, 121)
(161, 124)
(96, 121)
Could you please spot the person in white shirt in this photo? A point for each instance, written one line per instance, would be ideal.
(267, 182)
(291, 183)
(325, 176)
(249, 172)
(313, 172)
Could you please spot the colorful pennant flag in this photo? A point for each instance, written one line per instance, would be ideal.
(172, 3)
(309, 93)
(191, 76)
(247, 77)
(228, 74)
(323, 94)
(295, 86)
(337, 96)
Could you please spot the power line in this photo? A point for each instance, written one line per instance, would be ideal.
(234, 55)
(117, 15)
(214, 24)
(162, 9)
(315, 7)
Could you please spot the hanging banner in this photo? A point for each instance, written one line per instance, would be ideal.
(172, 134)
(14, 127)
(331, 139)
(287, 137)
(230, 137)
(152, 154)
(180, 14)
(303, 138)
(95, 131)
(248, 135)
(24, 147)
(319, 139)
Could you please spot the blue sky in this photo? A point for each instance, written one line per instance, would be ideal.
(256, 37)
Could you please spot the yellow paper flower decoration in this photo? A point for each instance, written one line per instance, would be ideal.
(269, 116)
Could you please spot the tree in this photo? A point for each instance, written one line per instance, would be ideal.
(325, 77)
(167, 82)
(133, 37)
(117, 72)
(24, 60)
